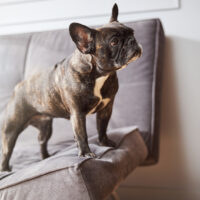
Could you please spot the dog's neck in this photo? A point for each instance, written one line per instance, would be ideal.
(86, 64)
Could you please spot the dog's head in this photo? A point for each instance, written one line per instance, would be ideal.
(112, 46)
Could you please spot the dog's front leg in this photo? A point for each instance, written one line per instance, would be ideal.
(78, 121)
(103, 117)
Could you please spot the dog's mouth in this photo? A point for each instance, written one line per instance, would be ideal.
(135, 56)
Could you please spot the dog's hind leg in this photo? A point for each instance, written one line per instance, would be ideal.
(44, 124)
(8, 143)
(12, 127)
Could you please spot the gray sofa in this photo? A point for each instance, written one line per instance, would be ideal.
(134, 125)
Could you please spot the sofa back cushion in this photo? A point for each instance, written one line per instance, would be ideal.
(137, 101)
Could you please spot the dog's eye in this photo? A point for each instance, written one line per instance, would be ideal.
(114, 42)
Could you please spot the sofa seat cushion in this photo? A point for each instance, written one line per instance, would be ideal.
(93, 178)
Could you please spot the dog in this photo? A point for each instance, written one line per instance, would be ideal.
(86, 83)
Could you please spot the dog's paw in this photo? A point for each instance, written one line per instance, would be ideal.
(5, 169)
(45, 155)
(88, 154)
(107, 142)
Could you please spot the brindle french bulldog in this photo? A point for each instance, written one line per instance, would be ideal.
(86, 83)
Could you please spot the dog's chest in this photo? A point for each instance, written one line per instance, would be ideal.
(99, 83)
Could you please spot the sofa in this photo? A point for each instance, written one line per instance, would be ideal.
(134, 125)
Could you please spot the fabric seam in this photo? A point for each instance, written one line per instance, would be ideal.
(26, 55)
(152, 125)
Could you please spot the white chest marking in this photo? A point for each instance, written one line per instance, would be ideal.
(97, 92)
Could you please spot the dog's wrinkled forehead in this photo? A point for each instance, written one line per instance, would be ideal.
(116, 28)
(115, 24)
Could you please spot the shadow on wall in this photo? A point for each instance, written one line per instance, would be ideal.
(171, 177)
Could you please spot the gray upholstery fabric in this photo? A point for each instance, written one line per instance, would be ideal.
(13, 52)
(137, 103)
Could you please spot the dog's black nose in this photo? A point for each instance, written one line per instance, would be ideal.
(138, 50)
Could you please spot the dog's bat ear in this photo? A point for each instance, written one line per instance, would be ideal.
(114, 13)
(84, 37)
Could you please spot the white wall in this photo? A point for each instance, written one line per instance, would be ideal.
(18, 16)
(177, 175)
